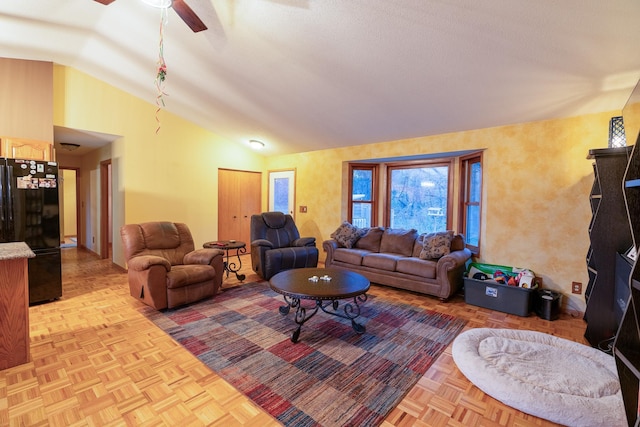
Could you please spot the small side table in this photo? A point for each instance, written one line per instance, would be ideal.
(226, 246)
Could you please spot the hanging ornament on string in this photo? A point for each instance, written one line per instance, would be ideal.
(161, 69)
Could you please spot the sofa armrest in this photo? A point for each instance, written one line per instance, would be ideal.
(208, 256)
(144, 262)
(329, 247)
(450, 270)
(202, 256)
(261, 242)
(304, 241)
(259, 248)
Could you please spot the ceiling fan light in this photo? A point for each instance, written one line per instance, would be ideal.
(160, 4)
(256, 145)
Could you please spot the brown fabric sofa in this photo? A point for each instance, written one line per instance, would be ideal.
(392, 257)
(165, 270)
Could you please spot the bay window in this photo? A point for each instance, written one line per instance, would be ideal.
(419, 194)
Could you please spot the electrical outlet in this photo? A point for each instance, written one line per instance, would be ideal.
(576, 287)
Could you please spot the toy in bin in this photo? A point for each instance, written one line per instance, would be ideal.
(498, 287)
(511, 276)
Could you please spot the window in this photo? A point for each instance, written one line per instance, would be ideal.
(418, 196)
(362, 185)
(282, 191)
(419, 193)
(471, 200)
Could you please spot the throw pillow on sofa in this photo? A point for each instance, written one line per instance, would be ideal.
(371, 240)
(347, 234)
(398, 241)
(436, 245)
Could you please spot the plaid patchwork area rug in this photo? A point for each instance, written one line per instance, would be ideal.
(333, 376)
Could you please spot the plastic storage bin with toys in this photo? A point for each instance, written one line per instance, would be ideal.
(501, 288)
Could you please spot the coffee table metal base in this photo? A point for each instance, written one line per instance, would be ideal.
(351, 312)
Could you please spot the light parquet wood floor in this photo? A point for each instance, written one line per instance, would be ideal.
(96, 361)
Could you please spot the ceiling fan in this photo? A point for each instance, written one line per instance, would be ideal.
(183, 10)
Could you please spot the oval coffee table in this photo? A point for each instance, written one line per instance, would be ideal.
(295, 285)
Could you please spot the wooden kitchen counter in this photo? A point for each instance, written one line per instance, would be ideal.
(14, 304)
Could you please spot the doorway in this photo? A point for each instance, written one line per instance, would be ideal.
(106, 218)
(69, 196)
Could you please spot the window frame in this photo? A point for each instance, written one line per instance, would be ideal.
(466, 163)
(374, 168)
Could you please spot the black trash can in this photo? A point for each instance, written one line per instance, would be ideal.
(547, 305)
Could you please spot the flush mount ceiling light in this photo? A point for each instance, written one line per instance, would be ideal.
(69, 146)
(256, 145)
(160, 4)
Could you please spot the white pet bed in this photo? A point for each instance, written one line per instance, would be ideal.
(546, 376)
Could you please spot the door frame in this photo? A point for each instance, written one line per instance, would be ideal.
(105, 213)
(79, 218)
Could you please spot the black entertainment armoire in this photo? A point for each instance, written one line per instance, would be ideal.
(626, 348)
(610, 237)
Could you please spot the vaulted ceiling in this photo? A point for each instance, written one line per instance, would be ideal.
(302, 75)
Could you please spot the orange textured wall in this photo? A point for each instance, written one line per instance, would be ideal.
(536, 191)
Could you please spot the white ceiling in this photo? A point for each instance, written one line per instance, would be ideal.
(302, 75)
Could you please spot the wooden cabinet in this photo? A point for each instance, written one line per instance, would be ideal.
(610, 234)
(14, 304)
(19, 148)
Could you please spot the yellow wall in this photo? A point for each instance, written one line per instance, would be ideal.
(535, 192)
(169, 175)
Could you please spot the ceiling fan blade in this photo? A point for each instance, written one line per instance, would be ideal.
(105, 2)
(187, 15)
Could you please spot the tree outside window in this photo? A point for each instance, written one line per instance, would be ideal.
(419, 198)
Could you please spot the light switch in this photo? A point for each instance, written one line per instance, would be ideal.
(303, 209)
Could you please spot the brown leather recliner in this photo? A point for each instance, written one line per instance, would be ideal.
(165, 270)
(276, 245)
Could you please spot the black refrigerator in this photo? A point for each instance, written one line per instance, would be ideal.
(29, 212)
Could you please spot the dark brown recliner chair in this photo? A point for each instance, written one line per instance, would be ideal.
(165, 270)
(276, 245)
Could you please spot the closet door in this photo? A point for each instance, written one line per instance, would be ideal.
(251, 185)
(239, 197)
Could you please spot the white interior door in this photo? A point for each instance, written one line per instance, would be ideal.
(282, 191)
